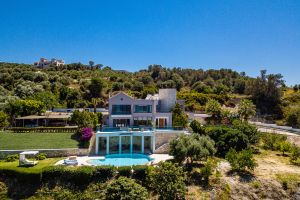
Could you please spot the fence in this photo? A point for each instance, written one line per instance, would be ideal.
(72, 129)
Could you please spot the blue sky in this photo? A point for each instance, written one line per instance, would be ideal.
(242, 35)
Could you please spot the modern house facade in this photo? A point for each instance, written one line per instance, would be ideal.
(138, 125)
(125, 111)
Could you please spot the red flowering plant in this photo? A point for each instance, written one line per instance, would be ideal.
(86, 134)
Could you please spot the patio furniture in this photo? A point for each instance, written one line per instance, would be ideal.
(72, 160)
(25, 162)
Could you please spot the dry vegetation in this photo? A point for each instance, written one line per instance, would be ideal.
(274, 178)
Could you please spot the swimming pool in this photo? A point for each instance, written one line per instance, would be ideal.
(122, 160)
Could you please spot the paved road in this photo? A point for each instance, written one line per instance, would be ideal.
(273, 128)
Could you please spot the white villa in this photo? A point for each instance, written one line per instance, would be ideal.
(138, 125)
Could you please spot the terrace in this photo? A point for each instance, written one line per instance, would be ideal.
(131, 139)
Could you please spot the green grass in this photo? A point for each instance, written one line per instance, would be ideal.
(34, 169)
(20, 141)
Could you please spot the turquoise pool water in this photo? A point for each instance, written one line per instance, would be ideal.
(122, 160)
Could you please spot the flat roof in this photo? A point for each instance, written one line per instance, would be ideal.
(47, 116)
(29, 152)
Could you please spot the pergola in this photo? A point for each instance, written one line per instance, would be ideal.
(44, 120)
(24, 161)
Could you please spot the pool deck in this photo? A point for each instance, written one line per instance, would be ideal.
(82, 160)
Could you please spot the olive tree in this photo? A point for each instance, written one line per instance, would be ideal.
(192, 148)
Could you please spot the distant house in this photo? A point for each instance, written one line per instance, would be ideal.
(45, 62)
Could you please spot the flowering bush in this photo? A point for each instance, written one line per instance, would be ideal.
(87, 133)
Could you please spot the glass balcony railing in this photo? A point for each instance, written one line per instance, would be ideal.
(139, 128)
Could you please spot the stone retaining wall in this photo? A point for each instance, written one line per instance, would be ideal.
(162, 139)
(49, 152)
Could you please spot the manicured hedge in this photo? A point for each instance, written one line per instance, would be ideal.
(103, 173)
(124, 171)
(77, 176)
(21, 176)
(80, 176)
(44, 129)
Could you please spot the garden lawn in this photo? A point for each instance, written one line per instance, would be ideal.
(34, 169)
(21, 141)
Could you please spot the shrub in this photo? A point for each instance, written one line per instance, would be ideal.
(140, 173)
(167, 180)
(271, 141)
(12, 158)
(3, 188)
(58, 192)
(197, 127)
(285, 146)
(226, 138)
(86, 134)
(295, 157)
(293, 117)
(41, 156)
(240, 161)
(125, 171)
(126, 189)
(208, 169)
(103, 173)
(249, 130)
(94, 191)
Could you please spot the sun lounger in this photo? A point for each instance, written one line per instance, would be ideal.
(72, 160)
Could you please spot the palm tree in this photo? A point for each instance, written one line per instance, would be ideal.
(246, 109)
(95, 102)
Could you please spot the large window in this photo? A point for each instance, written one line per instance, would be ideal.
(137, 144)
(125, 141)
(147, 144)
(102, 145)
(114, 144)
(143, 109)
(121, 109)
(121, 122)
(142, 121)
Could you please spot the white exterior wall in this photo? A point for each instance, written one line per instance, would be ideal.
(167, 99)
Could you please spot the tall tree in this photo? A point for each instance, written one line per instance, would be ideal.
(96, 87)
(266, 92)
(91, 63)
(179, 118)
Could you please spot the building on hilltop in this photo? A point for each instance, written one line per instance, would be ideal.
(45, 62)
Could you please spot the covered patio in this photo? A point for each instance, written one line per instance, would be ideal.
(49, 119)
